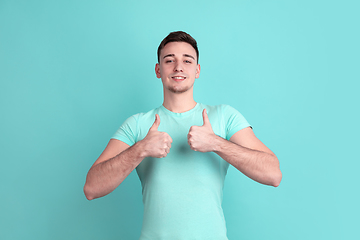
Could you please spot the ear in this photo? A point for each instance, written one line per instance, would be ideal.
(197, 73)
(157, 70)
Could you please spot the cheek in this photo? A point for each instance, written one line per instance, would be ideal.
(162, 72)
(196, 72)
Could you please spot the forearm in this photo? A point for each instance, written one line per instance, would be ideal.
(260, 166)
(104, 177)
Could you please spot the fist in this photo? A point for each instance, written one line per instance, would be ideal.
(157, 144)
(200, 138)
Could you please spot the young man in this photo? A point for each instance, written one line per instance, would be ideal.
(181, 152)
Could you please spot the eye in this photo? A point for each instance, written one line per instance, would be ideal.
(187, 61)
(168, 61)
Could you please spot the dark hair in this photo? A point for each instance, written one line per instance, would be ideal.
(178, 36)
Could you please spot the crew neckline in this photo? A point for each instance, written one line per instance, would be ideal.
(183, 114)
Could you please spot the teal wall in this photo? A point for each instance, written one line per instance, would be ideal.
(72, 71)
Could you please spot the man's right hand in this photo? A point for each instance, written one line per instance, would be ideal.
(118, 160)
(156, 144)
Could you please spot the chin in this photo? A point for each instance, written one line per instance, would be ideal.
(178, 90)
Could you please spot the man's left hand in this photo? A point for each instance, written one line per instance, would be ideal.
(201, 138)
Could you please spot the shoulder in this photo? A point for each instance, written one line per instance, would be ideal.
(137, 120)
(133, 128)
(144, 115)
(221, 112)
(220, 109)
(142, 119)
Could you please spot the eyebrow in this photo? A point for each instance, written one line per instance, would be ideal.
(187, 55)
(173, 55)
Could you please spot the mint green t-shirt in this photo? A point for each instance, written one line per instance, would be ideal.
(182, 193)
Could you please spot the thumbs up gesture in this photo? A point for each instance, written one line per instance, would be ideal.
(200, 138)
(156, 144)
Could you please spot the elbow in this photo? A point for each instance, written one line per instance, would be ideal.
(88, 197)
(87, 193)
(277, 177)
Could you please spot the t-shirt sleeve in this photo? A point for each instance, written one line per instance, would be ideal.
(234, 121)
(127, 132)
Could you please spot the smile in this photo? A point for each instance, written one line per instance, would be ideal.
(178, 78)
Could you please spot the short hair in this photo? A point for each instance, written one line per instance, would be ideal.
(178, 36)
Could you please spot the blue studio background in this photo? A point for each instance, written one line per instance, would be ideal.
(72, 71)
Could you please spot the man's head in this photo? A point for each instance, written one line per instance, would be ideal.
(178, 36)
(178, 62)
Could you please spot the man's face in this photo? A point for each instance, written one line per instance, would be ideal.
(178, 67)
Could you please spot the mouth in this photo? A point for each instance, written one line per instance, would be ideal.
(178, 78)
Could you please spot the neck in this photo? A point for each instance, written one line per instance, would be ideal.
(179, 102)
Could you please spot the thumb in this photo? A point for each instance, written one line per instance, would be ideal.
(205, 118)
(156, 124)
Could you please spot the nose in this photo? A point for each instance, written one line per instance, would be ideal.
(178, 67)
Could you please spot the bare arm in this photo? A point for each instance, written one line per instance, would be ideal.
(250, 156)
(111, 168)
(118, 160)
(244, 151)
